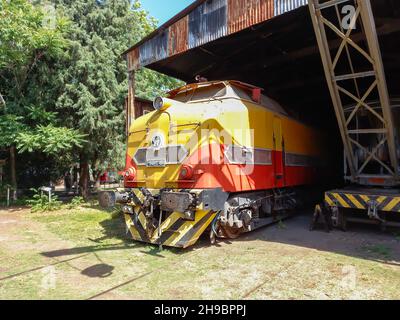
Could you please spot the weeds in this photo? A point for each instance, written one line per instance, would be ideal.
(116, 212)
(380, 250)
(41, 203)
(75, 203)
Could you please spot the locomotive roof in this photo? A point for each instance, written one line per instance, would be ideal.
(234, 90)
(192, 86)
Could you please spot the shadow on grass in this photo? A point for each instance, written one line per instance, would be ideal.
(114, 228)
(101, 270)
(360, 241)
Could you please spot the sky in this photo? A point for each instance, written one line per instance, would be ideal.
(163, 10)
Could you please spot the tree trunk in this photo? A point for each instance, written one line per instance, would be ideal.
(13, 172)
(84, 179)
(97, 176)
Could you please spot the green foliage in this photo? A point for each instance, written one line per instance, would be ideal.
(117, 212)
(150, 84)
(94, 75)
(40, 202)
(49, 139)
(29, 46)
(25, 41)
(379, 250)
(10, 126)
(39, 115)
(64, 82)
(24, 37)
(75, 203)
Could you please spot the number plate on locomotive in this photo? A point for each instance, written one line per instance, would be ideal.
(156, 163)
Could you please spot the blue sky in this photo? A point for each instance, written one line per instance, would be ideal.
(163, 10)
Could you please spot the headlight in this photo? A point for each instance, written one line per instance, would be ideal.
(161, 103)
(158, 103)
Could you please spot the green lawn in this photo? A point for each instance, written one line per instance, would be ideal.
(84, 253)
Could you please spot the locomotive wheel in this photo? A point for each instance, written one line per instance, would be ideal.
(231, 233)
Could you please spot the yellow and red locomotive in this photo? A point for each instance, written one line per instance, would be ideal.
(217, 156)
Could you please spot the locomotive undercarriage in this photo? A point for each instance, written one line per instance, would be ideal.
(179, 217)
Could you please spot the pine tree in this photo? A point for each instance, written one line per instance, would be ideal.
(94, 77)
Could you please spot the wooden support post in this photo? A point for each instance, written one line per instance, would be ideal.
(130, 108)
(13, 171)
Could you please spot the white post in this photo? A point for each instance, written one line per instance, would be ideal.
(8, 197)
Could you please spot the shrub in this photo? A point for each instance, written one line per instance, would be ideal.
(40, 202)
(75, 202)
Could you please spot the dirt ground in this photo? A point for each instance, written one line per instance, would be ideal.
(84, 254)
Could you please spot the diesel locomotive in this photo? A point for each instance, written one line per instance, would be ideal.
(217, 157)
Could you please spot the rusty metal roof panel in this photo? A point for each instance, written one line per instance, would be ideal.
(178, 36)
(154, 49)
(203, 22)
(282, 6)
(245, 13)
(208, 22)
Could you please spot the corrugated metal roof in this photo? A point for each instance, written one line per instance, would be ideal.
(167, 24)
(154, 49)
(203, 22)
(207, 22)
(282, 6)
(245, 13)
(178, 36)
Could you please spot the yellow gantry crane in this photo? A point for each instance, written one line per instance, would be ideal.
(357, 83)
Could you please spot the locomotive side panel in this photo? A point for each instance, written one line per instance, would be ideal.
(303, 157)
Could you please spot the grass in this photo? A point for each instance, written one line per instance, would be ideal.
(379, 250)
(79, 243)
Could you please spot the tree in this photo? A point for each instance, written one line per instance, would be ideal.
(28, 47)
(65, 82)
(94, 77)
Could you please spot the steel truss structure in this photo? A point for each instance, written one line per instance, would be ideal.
(340, 70)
